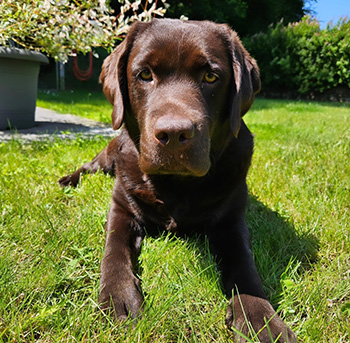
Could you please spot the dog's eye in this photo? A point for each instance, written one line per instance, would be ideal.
(146, 75)
(210, 77)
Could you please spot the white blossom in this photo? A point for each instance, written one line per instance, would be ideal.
(58, 27)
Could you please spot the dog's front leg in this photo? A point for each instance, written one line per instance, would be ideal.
(249, 310)
(120, 289)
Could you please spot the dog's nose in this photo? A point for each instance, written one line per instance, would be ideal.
(173, 132)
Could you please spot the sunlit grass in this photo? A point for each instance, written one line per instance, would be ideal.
(51, 239)
(91, 105)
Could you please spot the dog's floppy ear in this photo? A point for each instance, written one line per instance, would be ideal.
(245, 83)
(114, 78)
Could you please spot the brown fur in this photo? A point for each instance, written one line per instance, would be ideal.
(181, 159)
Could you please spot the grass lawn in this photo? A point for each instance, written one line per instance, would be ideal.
(51, 239)
(92, 105)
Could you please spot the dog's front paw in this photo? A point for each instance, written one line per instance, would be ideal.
(123, 299)
(255, 317)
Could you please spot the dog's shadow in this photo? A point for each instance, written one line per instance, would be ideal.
(276, 245)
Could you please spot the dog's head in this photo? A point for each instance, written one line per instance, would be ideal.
(181, 87)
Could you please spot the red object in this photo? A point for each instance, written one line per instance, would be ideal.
(82, 75)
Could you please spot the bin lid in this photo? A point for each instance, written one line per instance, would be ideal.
(23, 54)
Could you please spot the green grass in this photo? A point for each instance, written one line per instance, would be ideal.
(301, 172)
(51, 239)
(91, 105)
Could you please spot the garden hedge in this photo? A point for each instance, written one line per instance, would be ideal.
(303, 57)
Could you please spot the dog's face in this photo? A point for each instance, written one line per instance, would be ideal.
(181, 88)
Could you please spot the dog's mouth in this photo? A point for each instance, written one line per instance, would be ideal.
(179, 163)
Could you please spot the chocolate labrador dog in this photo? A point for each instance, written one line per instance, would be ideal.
(180, 89)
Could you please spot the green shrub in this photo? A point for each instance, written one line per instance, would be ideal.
(269, 48)
(302, 57)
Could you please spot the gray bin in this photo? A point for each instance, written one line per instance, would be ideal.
(19, 70)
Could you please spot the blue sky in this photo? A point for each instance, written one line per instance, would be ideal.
(327, 10)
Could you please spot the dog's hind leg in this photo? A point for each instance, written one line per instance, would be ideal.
(104, 161)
